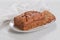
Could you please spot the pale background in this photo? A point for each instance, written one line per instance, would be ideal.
(47, 34)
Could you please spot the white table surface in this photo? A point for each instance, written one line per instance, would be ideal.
(46, 34)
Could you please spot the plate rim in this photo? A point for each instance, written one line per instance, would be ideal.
(11, 24)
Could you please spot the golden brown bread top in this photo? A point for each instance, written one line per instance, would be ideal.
(30, 16)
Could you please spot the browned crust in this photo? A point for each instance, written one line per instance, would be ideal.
(32, 19)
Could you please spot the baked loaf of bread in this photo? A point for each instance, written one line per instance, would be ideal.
(33, 19)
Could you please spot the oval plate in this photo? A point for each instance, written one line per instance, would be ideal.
(11, 24)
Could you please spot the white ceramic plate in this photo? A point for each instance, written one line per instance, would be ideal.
(11, 24)
(23, 7)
